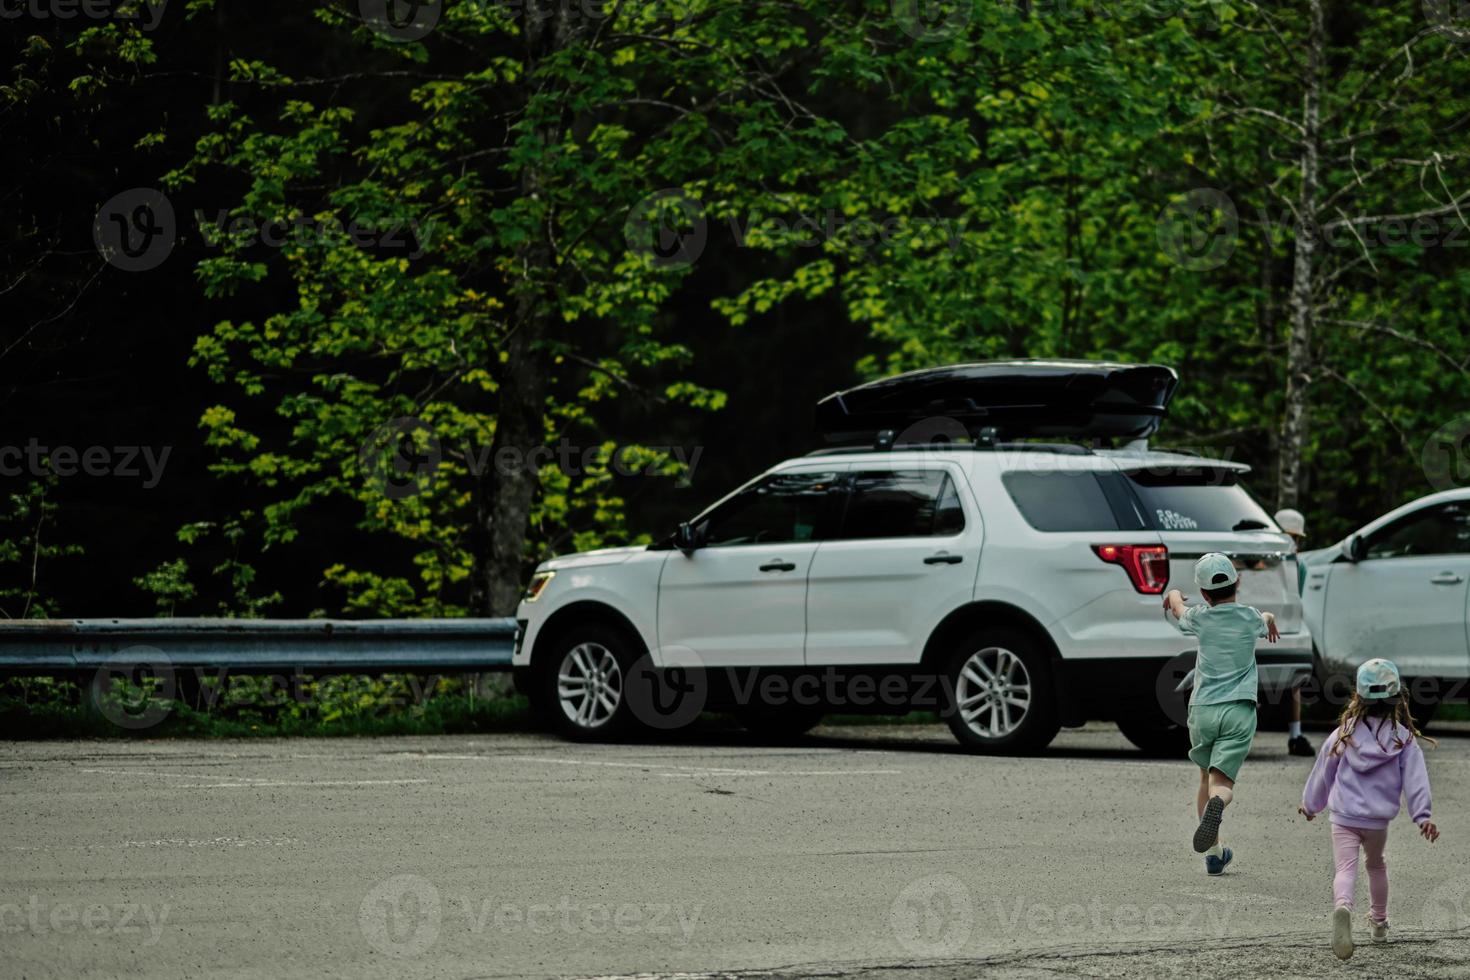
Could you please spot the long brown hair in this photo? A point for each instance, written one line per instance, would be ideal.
(1395, 710)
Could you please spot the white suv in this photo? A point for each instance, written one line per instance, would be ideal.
(1399, 587)
(1014, 588)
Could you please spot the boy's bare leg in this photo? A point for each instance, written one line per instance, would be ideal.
(1222, 786)
(1203, 796)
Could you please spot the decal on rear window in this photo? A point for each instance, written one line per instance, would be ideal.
(1170, 520)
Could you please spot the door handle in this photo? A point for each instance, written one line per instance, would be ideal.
(944, 558)
(779, 566)
(1447, 578)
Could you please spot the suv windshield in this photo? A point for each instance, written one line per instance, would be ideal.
(1203, 499)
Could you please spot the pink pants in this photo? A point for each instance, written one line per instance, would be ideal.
(1345, 844)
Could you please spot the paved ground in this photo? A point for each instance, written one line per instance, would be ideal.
(872, 852)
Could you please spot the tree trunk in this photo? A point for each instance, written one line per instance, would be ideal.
(1301, 309)
(506, 492)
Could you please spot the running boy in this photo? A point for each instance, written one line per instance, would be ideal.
(1222, 708)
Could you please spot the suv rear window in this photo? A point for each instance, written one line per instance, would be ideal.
(1074, 500)
(1204, 499)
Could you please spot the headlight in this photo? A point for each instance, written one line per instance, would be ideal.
(539, 582)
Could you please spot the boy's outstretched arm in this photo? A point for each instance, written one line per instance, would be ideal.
(1272, 633)
(1174, 603)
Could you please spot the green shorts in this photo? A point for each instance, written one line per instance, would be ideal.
(1220, 735)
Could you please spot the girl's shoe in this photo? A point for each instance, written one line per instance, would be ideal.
(1208, 831)
(1379, 930)
(1342, 932)
(1215, 863)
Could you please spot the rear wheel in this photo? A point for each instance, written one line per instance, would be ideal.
(1156, 734)
(1002, 699)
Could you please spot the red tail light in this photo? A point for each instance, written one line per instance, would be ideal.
(1147, 565)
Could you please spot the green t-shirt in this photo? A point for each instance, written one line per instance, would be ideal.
(1226, 667)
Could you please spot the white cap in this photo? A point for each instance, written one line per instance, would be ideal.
(1291, 521)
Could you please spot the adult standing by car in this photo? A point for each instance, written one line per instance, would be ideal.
(1294, 523)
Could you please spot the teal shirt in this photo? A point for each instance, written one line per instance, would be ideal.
(1226, 667)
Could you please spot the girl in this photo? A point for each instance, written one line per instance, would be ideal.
(1371, 760)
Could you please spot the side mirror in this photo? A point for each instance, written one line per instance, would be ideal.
(685, 539)
(1357, 548)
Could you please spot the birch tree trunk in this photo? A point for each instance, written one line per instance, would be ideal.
(1301, 311)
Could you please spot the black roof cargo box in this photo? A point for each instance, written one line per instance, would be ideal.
(1016, 399)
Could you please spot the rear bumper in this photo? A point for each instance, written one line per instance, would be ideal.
(1105, 687)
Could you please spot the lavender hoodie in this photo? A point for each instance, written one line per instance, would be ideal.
(1362, 786)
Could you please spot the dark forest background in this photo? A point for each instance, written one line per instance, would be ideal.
(1268, 198)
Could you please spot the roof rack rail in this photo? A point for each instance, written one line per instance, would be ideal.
(1061, 448)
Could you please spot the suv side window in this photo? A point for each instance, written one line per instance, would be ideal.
(1441, 530)
(902, 504)
(783, 507)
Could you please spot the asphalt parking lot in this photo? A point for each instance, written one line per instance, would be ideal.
(874, 851)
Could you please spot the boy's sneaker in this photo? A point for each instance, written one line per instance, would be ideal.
(1299, 746)
(1208, 832)
(1379, 930)
(1342, 932)
(1216, 860)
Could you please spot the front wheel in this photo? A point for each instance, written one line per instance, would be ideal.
(1001, 699)
(582, 688)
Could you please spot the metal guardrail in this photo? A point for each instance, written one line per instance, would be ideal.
(258, 646)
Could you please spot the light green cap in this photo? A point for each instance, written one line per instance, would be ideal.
(1215, 571)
